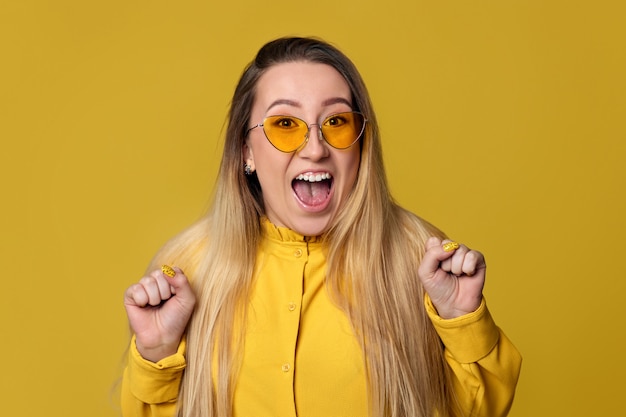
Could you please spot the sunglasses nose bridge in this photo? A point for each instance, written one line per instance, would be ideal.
(309, 128)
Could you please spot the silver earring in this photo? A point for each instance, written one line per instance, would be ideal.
(247, 169)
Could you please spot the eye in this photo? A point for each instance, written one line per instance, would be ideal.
(335, 120)
(284, 122)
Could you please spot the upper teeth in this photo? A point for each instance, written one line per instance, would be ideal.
(314, 177)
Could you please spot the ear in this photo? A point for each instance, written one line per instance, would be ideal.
(248, 156)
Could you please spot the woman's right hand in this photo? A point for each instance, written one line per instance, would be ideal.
(158, 309)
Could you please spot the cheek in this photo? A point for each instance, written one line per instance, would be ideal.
(271, 168)
(261, 154)
(353, 166)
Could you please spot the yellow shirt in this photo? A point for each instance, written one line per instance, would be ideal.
(301, 357)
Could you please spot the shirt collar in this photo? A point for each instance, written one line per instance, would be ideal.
(284, 234)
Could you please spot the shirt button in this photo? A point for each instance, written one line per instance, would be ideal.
(297, 253)
(286, 367)
(291, 306)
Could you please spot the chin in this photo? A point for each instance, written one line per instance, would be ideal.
(311, 227)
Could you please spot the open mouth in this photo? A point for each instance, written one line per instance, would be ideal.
(313, 189)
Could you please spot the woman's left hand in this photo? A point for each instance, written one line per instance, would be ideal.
(453, 278)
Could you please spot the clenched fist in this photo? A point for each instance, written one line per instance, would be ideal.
(158, 309)
(453, 276)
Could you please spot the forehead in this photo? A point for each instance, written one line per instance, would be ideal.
(302, 82)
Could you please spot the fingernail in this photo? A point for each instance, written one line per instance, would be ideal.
(168, 270)
(450, 246)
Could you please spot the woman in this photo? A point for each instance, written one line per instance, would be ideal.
(310, 292)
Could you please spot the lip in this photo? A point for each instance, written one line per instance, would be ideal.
(320, 207)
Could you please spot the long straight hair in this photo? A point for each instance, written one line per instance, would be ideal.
(374, 249)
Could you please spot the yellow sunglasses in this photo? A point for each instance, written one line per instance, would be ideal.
(289, 133)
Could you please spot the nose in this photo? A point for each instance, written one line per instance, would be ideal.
(318, 131)
(315, 146)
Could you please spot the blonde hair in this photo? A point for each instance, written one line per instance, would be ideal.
(374, 250)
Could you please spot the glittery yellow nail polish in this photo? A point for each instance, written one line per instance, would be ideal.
(168, 270)
(450, 246)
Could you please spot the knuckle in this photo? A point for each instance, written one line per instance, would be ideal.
(147, 281)
(474, 255)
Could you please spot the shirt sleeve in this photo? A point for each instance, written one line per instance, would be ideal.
(484, 362)
(151, 389)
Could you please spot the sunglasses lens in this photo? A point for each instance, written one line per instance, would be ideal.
(286, 133)
(342, 130)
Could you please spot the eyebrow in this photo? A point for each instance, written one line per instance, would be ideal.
(328, 102)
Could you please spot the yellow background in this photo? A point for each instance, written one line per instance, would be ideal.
(503, 123)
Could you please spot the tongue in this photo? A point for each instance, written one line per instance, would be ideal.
(312, 193)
